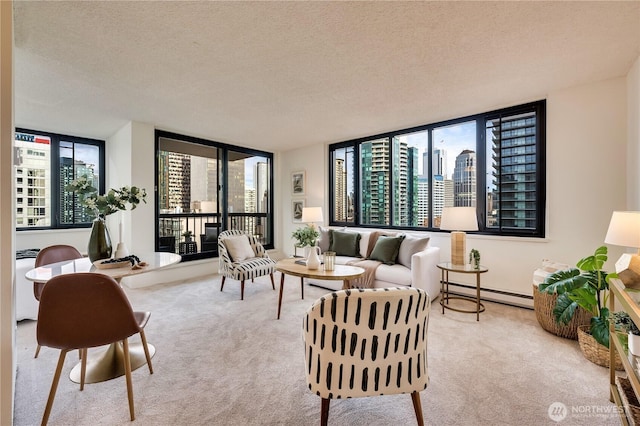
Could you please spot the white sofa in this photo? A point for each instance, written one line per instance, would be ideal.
(423, 272)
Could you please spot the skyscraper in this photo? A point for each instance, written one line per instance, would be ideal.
(464, 179)
(513, 190)
(340, 191)
(33, 179)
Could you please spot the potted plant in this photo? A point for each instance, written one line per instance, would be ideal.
(585, 286)
(187, 235)
(474, 258)
(306, 236)
(623, 322)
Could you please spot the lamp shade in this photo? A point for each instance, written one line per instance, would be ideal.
(312, 214)
(459, 219)
(624, 229)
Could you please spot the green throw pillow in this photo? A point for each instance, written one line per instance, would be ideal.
(345, 243)
(386, 249)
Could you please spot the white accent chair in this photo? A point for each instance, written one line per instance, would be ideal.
(243, 263)
(367, 342)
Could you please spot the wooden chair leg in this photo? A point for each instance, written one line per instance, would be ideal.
(54, 387)
(146, 350)
(272, 283)
(242, 290)
(324, 412)
(83, 366)
(222, 285)
(127, 373)
(37, 351)
(417, 407)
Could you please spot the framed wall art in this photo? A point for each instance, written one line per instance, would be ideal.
(298, 183)
(296, 210)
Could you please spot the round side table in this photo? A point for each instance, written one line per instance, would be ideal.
(447, 267)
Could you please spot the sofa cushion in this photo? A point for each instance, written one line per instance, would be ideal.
(239, 248)
(324, 241)
(386, 249)
(410, 246)
(363, 249)
(374, 238)
(345, 243)
(394, 274)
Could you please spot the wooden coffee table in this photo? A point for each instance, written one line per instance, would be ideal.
(290, 267)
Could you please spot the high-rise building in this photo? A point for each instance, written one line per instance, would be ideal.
(261, 182)
(340, 191)
(439, 162)
(422, 201)
(402, 177)
(33, 176)
(174, 188)
(375, 181)
(512, 192)
(464, 179)
(412, 186)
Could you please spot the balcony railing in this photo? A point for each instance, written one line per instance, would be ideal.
(204, 229)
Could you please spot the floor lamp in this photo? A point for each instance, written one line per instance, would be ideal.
(458, 220)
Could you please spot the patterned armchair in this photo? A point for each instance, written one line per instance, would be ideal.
(242, 257)
(367, 342)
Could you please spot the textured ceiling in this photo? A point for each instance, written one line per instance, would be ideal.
(279, 75)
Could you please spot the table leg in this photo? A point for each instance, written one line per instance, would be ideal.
(442, 290)
(109, 364)
(478, 296)
(280, 295)
(302, 287)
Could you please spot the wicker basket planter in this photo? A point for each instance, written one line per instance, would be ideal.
(629, 400)
(594, 351)
(543, 304)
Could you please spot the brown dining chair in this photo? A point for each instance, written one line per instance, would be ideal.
(46, 256)
(85, 310)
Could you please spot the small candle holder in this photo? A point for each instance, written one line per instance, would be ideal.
(329, 260)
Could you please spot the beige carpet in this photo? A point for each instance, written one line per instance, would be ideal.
(222, 361)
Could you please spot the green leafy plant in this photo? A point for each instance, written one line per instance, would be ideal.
(306, 236)
(103, 205)
(187, 234)
(623, 322)
(585, 286)
(474, 258)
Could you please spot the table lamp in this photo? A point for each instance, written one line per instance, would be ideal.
(458, 220)
(624, 230)
(311, 215)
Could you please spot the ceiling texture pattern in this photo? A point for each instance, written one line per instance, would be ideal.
(280, 75)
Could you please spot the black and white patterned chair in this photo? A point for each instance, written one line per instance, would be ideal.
(248, 264)
(366, 343)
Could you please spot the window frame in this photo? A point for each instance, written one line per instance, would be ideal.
(223, 185)
(55, 139)
(538, 107)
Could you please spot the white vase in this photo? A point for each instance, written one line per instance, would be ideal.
(313, 260)
(634, 344)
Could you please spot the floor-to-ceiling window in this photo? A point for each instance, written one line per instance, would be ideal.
(204, 188)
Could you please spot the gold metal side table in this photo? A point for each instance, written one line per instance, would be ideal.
(444, 287)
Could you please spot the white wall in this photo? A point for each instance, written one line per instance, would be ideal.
(7, 218)
(633, 134)
(313, 161)
(586, 181)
